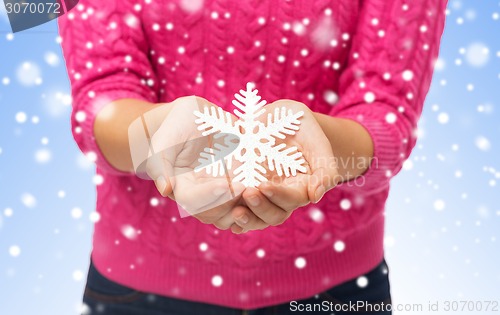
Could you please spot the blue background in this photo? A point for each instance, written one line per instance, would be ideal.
(434, 253)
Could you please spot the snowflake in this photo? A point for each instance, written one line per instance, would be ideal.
(256, 141)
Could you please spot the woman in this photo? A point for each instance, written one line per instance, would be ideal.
(359, 70)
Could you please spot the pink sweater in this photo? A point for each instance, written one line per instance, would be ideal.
(366, 60)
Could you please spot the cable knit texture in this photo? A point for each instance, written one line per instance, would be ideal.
(366, 60)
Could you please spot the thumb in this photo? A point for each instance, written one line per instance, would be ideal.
(158, 169)
(323, 178)
(164, 186)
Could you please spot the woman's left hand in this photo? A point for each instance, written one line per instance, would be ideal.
(275, 200)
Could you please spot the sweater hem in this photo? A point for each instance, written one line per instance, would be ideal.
(268, 283)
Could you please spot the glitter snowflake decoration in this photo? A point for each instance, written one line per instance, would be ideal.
(256, 141)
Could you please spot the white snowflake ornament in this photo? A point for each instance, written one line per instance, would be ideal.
(257, 140)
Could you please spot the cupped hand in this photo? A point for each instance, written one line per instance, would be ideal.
(175, 148)
(275, 200)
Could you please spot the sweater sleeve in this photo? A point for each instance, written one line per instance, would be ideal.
(106, 56)
(385, 82)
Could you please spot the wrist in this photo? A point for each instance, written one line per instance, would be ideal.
(111, 129)
(351, 143)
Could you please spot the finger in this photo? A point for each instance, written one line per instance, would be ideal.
(236, 229)
(211, 196)
(160, 169)
(215, 214)
(287, 195)
(246, 219)
(164, 186)
(322, 180)
(244, 216)
(212, 212)
(166, 143)
(322, 163)
(263, 208)
(224, 222)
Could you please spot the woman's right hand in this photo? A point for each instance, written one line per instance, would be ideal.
(175, 150)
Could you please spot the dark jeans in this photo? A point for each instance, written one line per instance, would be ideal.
(103, 296)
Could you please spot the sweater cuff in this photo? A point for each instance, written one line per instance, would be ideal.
(388, 147)
(83, 119)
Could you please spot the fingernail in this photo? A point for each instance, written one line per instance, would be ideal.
(161, 184)
(320, 191)
(254, 201)
(243, 219)
(267, 193)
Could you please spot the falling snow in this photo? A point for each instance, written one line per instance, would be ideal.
(154, 202)
(8, 212)
(482, 143)
(43, 156)
(56, 103)
(439, 205)
(52, 59)
(345, 204)
(129, 232)
(94, 217)
(339, 246)
(191, 5)
(362, 282)
(29, 74)
(217, 281)
(300, 262)
(477, 55)
(76, 213)
(203, 247)
(369, 97)
(261, 253)
(330, 97)
(28, 200)
(316, 215)
(98, 179)
(407, 75)
(390, 118)
(78, 275)
(443, 206)
(14, 251)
